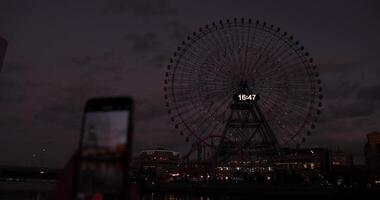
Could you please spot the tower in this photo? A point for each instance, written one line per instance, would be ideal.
(247, 136)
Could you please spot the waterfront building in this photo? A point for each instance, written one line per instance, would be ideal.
(307, 159)
(340, 159)
(372, 151)
(158, 163)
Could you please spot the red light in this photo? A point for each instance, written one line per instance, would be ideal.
(97, 196)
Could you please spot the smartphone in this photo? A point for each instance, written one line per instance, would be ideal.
(104, 149)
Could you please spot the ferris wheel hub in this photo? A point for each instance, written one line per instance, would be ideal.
(251, 60)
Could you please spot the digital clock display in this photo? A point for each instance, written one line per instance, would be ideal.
(245, 97)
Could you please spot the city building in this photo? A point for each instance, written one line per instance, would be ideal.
(3, 48)
(340, 159)
(158, 163)
(372, 151)
(304, 159)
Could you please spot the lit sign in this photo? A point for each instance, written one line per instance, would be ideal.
(245, 97)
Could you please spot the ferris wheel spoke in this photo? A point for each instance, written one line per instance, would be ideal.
(195, 66)
(206, 72)
(286, 53)
(234, 40)
(270, 55)
(291, 116)
(192, 118)
(222, 49)
(275, 54)
(251, 42)
(274, 123)
(186, 98)
(270, 67)
(283, 66)
(281, 104)
(242, 41)
(276, 109)
(203, 50)
(216, 66)
(203, 120)
(229, 47)
(266, 52)
(199, 65)
(275, 71)
(215, 63)
(201, 72)
(208, 110)
(248, 30)
(223, 104)
(208, 91)
(262, 49)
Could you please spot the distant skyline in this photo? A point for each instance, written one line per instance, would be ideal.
(60, 53)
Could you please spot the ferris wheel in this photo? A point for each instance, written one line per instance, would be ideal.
(242, 85)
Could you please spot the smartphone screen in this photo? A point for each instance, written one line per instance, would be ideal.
(101, 169)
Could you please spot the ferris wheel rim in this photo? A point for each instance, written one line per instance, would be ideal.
(304, 56)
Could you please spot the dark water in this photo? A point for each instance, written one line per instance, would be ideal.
(173, 196)
(166, 196)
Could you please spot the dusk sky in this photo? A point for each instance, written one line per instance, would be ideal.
(60, 53)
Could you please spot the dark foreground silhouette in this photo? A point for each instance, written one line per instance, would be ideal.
(65, 186)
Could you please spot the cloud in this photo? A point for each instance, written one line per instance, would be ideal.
(89, 65)
(158, 60)
(62, 115)
(10, 91)
(351, 104)
(158, 133)
(11, 123)
(141, 8)
(346, 94)
(42, 101)
(16, 67)
(370, 93)
(147, 42)
(177, 31)
(15, 82)
(151, 112)
(362, 101)
(352, 110)
(83, 60)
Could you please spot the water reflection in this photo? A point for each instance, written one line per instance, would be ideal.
(173, 196)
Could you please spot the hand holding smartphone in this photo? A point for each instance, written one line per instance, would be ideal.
(104, 149)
